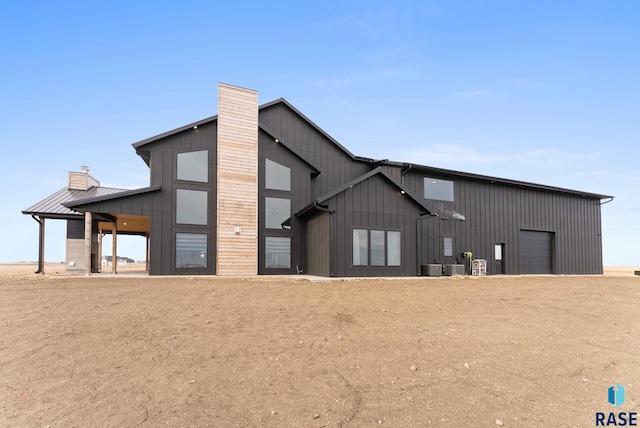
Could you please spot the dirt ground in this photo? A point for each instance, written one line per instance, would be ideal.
(529, 351)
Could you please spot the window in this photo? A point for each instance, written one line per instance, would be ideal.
(360, 247)
(393, 248)
(376, 248)
(277, 252)
(441, 190)
(277, 177)
(191, 251)
(448, 246)
(191, 207)
(277, 211)
(498, 254)
(193, 166)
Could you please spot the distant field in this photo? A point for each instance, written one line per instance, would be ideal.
(517, 351)
(58, 269)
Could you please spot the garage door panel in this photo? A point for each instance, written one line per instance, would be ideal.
(536, 249)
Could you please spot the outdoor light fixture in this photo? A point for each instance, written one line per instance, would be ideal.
(195, 126)
(402, 191)
(277, 140)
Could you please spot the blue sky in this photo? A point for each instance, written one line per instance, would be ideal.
(540, 91)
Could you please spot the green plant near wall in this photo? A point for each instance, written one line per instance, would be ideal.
(468, 255)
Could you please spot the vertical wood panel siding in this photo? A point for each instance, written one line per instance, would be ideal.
(318, 238)
(237, 181)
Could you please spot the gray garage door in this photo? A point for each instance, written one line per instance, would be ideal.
(536, 249)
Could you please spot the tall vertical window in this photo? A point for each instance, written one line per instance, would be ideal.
(394, 252)
(360, 247)
(277, 211)
(441, 190)
(376, 247)
(193, 166)
(277, 177)
(191, 207)
(277, 252)
(448, 246)
(191, 251)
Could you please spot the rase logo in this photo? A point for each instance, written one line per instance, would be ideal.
(615, 396)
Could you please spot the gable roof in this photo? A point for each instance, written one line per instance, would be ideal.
(373, 162)
(54, 206)
(317, 204)
(140, 144)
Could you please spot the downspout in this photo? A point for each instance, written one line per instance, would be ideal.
(404, 172)
(419, 246)
(40, 245)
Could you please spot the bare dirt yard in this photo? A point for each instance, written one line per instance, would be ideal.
(529, 351)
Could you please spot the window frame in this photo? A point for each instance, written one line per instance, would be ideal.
(370, 262)
(191, 152)
(266, 175)
(444, 246)
(266, 247)
(438, 197)
(267, 214)
(177, 251)
(179, 210)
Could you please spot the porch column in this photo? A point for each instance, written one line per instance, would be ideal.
(87, 243)
(146, 257)
(99, 250)
(114, 248)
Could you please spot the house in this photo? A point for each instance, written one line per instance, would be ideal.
(264, 190)
(121, 261)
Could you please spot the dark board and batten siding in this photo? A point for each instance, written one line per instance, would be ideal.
(374, 204)
(336, 165)
(497, 213)
(300, 195)
(163, 158)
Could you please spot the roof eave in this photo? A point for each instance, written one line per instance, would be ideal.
(77, 204)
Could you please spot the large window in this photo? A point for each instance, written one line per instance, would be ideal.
(435, 188)
(376, 247)
(277, 212)
(191, 251)
(193, 166)
(277, 177)
(277, 252)
(191, 207)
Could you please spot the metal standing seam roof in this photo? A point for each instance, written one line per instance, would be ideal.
(52, 207)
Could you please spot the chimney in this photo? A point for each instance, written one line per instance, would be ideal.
(237, 181)
(81, 180)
